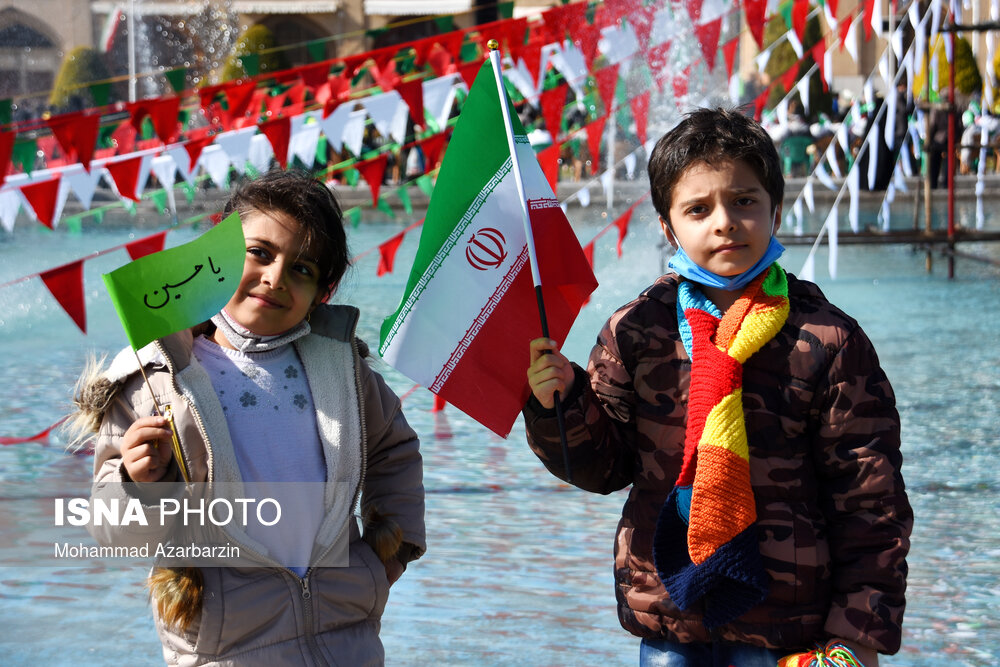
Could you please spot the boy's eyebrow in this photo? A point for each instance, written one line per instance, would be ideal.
(734, 191)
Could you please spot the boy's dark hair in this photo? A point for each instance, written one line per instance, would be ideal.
(713, 136)
(312, 204)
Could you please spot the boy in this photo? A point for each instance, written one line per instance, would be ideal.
(767, 512)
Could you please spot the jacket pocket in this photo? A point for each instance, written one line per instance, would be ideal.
(348, 595)
(796, 555)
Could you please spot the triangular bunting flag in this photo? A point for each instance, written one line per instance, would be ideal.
(7, 140)
(548, 160)
(553, 103)
(66, 285)
(595, 130)
(640, 114)
(412, 93)
(606, 80)
(278, 131)
(146, 246)
(387, 254)
(708, 39)
(125, 174)
(373, 172)
(42, 197)
(431, 147)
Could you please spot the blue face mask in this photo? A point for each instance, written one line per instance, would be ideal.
(683, 265)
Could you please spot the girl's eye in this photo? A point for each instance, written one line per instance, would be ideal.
(303, 269)
(696, 210)
(745, 201)
(257, 252)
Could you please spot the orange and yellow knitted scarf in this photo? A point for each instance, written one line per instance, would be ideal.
(706, 544)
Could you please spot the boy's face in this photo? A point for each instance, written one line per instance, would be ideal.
(721, 216)
(280, 283)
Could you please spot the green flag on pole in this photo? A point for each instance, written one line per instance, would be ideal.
(180, 287)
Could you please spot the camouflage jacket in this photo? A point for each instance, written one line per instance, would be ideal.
(825, 463)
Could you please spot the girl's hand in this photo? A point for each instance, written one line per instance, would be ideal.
(147, 448)
(549, 372)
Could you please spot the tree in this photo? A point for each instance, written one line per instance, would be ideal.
(967, 77)
(784, 57)
(83, 81)
(253, 54)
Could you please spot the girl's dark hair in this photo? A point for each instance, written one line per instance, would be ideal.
(311, 203)
(713, 136)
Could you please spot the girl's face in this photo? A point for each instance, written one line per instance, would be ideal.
(280, 284)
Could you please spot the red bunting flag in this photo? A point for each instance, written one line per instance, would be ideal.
(6, 150)
(439, 403)
(789, 77)
(469, 71)
(386, 75)
(421, 49)
(431, 147)
(373, 171)
(531, 54)
(800, 10)
(729, 53)
(125, 174)
(844, 28)
(586, 39)
(595, 130)
(708, 39)
(760, 102)
(278, 131)
(77, 135)
(819, 57)
(195, 146)
(640, 113)
(548, 159)
(412, 93)
(42, 197)
(755, 11)
(66, 285)
(387, 254)
(316, 74)
(867, 18)
(162, 111)
(622, 224)
(606, 80)
(238, 98)
(553, 103)
(146, 246)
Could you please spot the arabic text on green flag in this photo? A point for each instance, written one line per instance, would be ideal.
(180, 287)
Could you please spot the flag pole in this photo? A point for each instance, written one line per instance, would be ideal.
(494, 47)
(168, 415)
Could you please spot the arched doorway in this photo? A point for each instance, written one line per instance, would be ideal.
(29, 56)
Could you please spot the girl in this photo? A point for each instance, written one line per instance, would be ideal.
(272, 393)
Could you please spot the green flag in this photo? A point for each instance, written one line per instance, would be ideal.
(180, 287)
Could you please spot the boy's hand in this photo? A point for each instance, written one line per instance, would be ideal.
(147, 448)
(549, 372)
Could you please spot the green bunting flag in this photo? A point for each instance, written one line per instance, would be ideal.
(180, 287)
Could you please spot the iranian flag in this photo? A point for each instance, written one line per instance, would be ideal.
(469, 309)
